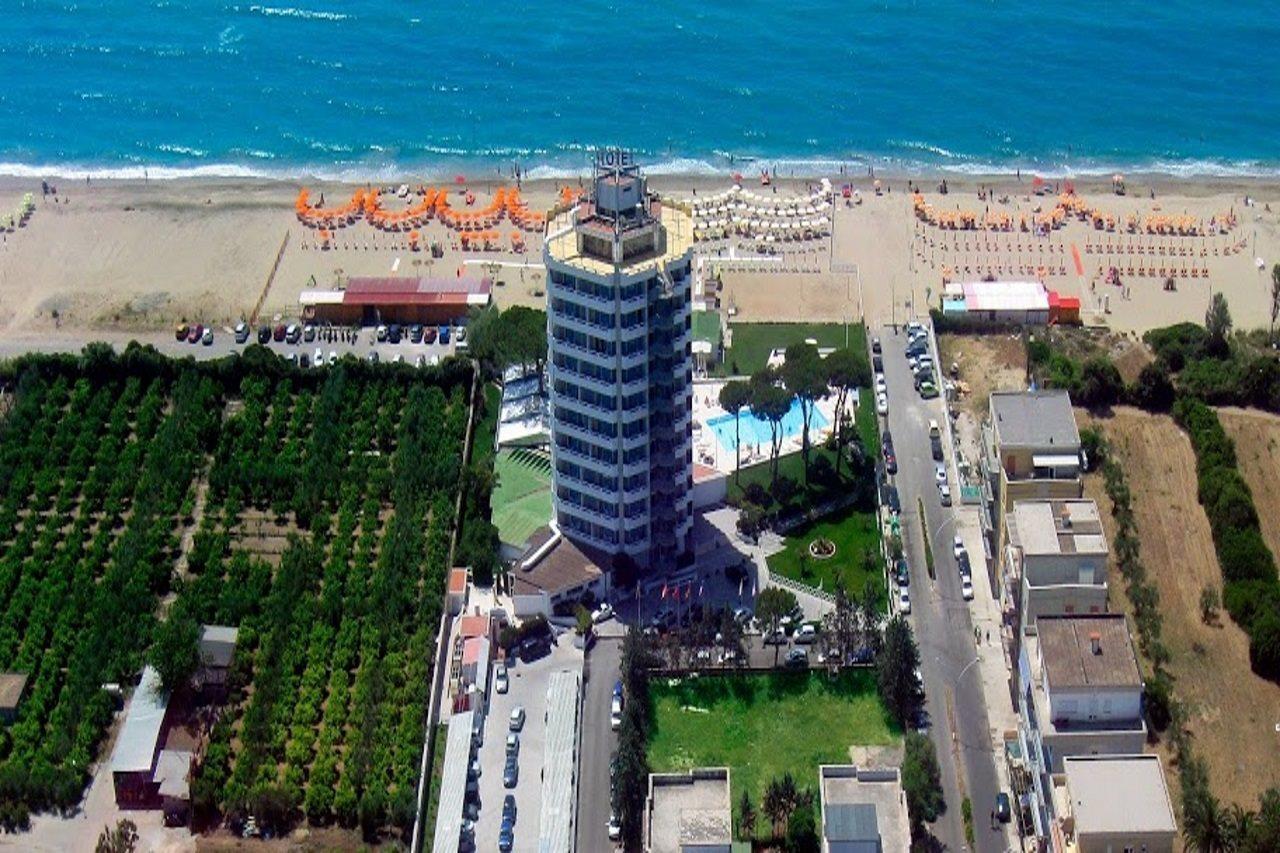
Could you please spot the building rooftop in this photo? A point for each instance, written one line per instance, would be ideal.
(172, 768)
(404, 290)
(1057, 527)
(218, 644)
(475, 625)
(1035, 419)
(559, 762)
(565, 565)
(863, 809)
(136, 745)
(1118, 794)
(689, 811)
(11, 686)
(1071, 659)
(562, 243)
(457, 581)
(453, 784)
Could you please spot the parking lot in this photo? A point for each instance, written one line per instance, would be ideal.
(528, 688)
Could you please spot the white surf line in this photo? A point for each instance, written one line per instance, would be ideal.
(526, 265)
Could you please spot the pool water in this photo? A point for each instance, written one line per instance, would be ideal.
(756, 431)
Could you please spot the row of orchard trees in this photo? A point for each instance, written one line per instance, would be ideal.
(99, 456)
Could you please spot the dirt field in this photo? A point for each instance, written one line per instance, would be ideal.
(987, 363)
(1257, 438)
(1233, 712)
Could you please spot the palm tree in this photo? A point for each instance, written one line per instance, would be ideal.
(1204, 823)
(790, 795)
(1238, 823)
(774, 805)
(746, 817)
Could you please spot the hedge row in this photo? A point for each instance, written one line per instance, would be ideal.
(1251, 590)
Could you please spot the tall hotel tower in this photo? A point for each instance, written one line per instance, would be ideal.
(621, 378)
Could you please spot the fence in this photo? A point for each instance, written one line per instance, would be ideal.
(796, 586)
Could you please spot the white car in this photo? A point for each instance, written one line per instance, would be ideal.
(940, 473)
(882, 386)
(602, 613)
(882, 404)
(904, 601)
(333, 356)
(966, 588)
(615, 828)
(805, 634)
(944, 494)
(318, 359)
(500, 682)
(957, 546)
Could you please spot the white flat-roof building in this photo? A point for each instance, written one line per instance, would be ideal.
(864, 809)
(620, 368)
(689, 812)
(1113, 803)
(1057, 559)
(560, 763)
(458, 750)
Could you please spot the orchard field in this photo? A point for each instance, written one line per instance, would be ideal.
(314, 510)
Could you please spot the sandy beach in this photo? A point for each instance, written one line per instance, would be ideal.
(125, 256)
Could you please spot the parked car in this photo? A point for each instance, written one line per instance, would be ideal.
(195, 333)
(460, 334)
(506, 839)
(882, 404)
(940, 473)
(278, 333)
(333, 356)
(381, 333)
(875, 345)
(509, 808)
(180, 333)
(264, 334)
(882, 385)
(928, 390)
(242, 332)
(429, 335)
(1003, 813)
(500, 682)
(944, 494)
(891, 462)
(207, 337)
(901, 574)
(957, 546)
(415, 333)
(602, 613)
(935, 449)
(511, 772)
(796, 659)
(513, 744)
(877, 363)
(962, 563)
(292, 334)
(308, 333)
(516, 722)
(373, 357)
(895, 504)
(615, 828)
(966, 588)
(904, 601)
(443, 333)
(805, 634)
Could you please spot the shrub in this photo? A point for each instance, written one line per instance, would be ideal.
(1246, 600)
(1100, 384)
(1158, 698)
(1264, 644)
(1173, 345)
(1243, 555)
(1153, 389)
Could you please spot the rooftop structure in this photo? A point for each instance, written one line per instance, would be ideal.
(1035, 420)
(1088, 651)
(12, 685)
(453, 784)
(1079, 694)
(218, 645)
(560, 762)
(688, 812)
(554, 568)
(396, 299)
(1056, 560)
(523, 413)
(1114, 802)
(619, 271)
(863, 810)
(135, 749)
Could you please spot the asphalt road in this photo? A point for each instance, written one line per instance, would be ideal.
(939, 615)
(601, 671)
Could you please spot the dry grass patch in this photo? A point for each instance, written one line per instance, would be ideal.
(1233, 713)
(995, 362)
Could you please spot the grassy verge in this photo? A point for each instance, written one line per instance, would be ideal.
(966, 811)
(854, 533)
(866, 422)
(753, 341)
(928, 549)
(438, 738)
(761, 726)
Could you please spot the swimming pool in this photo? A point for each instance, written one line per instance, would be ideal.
(756, 431)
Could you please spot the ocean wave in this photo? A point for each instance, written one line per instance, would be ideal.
(294, 12)
(448, 162)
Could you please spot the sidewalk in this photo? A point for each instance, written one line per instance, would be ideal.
(984, 612)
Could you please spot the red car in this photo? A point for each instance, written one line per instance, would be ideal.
(278, 335)
(193, 336)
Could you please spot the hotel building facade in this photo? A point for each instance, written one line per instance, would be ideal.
(619, 278)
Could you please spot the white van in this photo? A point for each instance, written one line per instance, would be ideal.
(934, 432)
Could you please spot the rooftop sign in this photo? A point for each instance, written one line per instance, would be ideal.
(614, 158)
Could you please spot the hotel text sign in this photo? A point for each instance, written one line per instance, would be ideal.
(614, 158)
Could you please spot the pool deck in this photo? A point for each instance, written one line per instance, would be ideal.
(707, 447)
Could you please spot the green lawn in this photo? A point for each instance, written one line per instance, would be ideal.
(753, 341)
(866, 422)
(853, 533)
(762, 726)
(487, 426)
(522, 499)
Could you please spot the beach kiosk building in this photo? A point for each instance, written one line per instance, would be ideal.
(621, 375)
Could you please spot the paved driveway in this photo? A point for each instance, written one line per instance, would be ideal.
(528, 689)
(602, 670)
(940, 617)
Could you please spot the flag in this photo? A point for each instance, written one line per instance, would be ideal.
(688, 591)
(702, 590)
(664, 591)
(741, 585)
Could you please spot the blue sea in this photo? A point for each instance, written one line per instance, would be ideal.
(368, 88)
